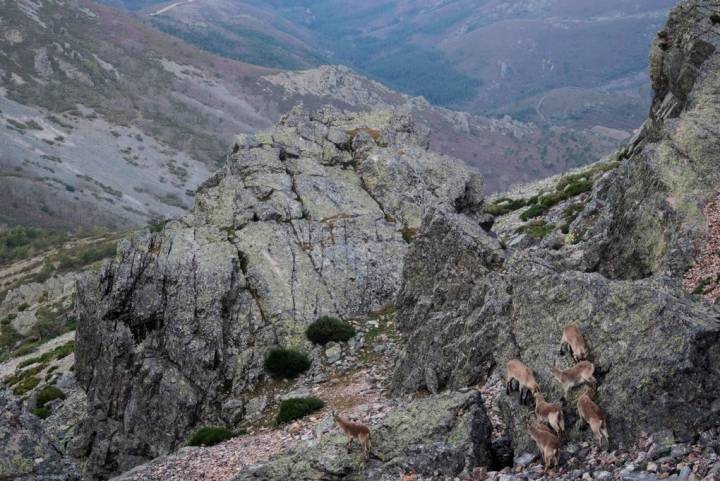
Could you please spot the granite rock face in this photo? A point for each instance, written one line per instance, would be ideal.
(440, 435)
(26, 451)
(312, 218)
(468, 305)
(654, 219)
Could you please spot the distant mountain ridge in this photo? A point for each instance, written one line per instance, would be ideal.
(107, 122)
(560, 62)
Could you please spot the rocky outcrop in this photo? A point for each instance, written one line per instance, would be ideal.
(467, 305)
(654, 220)
(309, 219)
(439, 436)
(26, 451)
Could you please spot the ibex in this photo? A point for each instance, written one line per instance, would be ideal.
(580, 373)
(519, 372)
(594, 416)
(354, 431)
(550, 412)
(573, 338)
(547, 442)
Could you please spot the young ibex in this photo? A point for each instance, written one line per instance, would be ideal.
(580, 373)
(354, 431)
(573, 338)
(550, 412)
(547, 442)
(517, 371)
(594, 416)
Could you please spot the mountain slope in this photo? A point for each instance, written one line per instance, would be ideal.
(587, 60)
(107, 122)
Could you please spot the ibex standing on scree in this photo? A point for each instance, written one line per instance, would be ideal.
(517, 371)
(593, 415)
(354, 431)
(547, 443)
(550, 412)
(573, 338)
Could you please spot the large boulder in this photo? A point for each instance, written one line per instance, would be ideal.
(464, 316)
(310, 219)
(439, 435)
(26, 451)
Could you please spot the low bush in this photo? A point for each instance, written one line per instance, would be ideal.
(210, 436)
(47, 394)
(537, 229)
(408, 234)
(286, 363)
(328, 329)
(42, 413)
(297, 408)
(534, 211)
(25, 385)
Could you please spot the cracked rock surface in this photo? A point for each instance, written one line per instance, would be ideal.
(312, 218)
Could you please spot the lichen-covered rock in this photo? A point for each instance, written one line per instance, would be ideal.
(445, 433)
(312, 218)
(464, 316)
(654, 218)
(466, 308)
(26, 451)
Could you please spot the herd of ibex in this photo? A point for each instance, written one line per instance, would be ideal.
(548, 438)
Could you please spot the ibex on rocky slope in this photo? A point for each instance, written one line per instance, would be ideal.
(550, 412)
(517, 371)
(580, 373)
(547, 442)
(594, 416)
(573, 338)
(354, 431)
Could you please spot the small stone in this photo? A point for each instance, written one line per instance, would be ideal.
(524, 459)
(333, 352)
(652, 467)
(679, 450)
(685, 474)
(603, 476)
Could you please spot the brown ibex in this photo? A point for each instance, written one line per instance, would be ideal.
(354, 431)
(593, 415)
(517, 371)
(550, 412)
(547, 442)
(573, 338)
(580, 373)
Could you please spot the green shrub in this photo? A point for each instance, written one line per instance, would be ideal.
(210, 436)
(328, 329)
(23, 307)
(286, 363)
(537, 229)
(25, 385)
(534, 211)
(47, 394)
(506, 205)
(715, 18)
(42, 413)
(408, 234)
(578, 188)
(297, 408)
